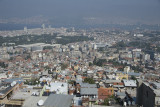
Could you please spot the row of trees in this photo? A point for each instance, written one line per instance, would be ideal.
(44, 38)
(99, 62)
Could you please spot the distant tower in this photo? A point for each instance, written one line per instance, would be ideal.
(43, 26)
(25, 29)
(73, 30)
(49, 26)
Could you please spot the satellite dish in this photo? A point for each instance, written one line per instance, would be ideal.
(37, 93)
(40, 102)
(14, 82)
(34, 93)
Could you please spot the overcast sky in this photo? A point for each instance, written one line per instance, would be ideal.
(107, 10)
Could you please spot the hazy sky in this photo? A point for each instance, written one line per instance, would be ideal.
(86, 10)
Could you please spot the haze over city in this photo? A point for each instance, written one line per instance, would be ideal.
(70, 12)
(79, 53)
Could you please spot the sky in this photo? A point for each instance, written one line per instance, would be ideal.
(84, 11)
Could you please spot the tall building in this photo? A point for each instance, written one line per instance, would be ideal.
(25, 29)
(148, 95)
(43, 26)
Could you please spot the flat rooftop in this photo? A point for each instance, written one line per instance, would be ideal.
(33, 100)
(29, 99)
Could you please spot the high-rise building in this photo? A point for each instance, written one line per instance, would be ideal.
(43, 26)
(25, 29)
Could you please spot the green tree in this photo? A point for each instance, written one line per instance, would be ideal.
(90, 64)
(89, 80)
(71, 82)
(133, 77)
(123, 78)
(64, 66)
(106, 102)
(110, 98)
(46, 67)
(47, 47)
(100, 62)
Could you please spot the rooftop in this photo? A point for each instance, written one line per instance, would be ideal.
(59, 87)
(33, 100)
(58, 100)
(129, 83)
(86, 85)
(89, 91)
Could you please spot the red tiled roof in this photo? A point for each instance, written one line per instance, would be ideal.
(104, 93)
(118, 83)
(67, 77)
(35, 72)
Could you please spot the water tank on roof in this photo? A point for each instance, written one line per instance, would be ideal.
(37, 93)
(40, 102)
(34, 93)
(13, 83)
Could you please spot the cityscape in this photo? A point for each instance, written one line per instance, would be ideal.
(93, 64)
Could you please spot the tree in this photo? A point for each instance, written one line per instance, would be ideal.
(47, 67)
(47, 47)
(133, 77)
(33, 81)
(72, 82)
(137, 68)
(90, 64)
(106, 102)
(28, 57)
(110, 98)
(100, 62)
(89, 80)
(3, 65)
(123, 78)
(120, 44)
(64, 66)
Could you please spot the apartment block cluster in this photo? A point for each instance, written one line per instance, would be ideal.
(69, 76)
(39, 31)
